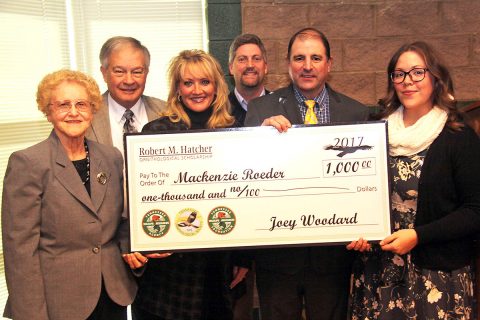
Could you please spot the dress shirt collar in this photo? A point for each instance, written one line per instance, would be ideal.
(301, 98)
(117, 111)
(244, 102)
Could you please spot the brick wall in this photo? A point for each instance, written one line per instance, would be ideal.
(364, 34)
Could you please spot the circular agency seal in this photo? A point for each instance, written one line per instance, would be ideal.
(188, 221)
(221, 220)
(156, 223)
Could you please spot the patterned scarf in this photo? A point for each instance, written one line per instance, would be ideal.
(417, 137)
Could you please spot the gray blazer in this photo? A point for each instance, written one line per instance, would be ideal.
(325, 259)
(58, 241)
(100, 129)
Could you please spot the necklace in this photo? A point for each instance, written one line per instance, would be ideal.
(83, 166)
(87, 155)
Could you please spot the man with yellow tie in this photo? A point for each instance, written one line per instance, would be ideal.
(314, 277)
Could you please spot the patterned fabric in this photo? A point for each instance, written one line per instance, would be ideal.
(181, 287)
(322, 110)
(128, 126)
(310, 117)
(390, 286)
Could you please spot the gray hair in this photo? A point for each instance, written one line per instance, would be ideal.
(115, 42)
(242, 39)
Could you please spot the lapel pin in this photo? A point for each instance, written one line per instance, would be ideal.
(102, 177)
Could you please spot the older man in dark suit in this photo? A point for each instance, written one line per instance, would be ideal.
(316, 277)
(124, 66)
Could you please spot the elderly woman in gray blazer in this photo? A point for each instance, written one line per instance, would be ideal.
(62, 214)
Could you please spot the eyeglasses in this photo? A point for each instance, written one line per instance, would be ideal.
(416, 74)
(66, 105)
(136, 73)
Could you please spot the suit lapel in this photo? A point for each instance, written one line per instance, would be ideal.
(153, 109)
(97, 174)
(236, 109)
(101, 123)
(151, 115)
(334, 106)
(68, 176)
(290, 105)
(234, 103)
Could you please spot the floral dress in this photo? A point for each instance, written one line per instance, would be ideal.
(389, 286)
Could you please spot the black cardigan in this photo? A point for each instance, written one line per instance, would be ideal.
(448, 210)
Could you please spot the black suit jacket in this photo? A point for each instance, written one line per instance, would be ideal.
(325, 259)
(283, 102)
(237, 111)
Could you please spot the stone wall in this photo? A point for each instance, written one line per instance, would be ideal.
(364, 34)
(224, 22)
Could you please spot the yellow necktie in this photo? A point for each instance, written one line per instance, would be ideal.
(310, 117)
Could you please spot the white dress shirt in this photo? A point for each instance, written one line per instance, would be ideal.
(117, 120)
(242, 101)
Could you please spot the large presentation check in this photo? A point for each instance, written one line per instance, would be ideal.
(254, 187)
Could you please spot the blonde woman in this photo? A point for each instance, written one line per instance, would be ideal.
(198, 285)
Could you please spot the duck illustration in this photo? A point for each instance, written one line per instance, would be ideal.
(221, 223)
(156, 223)
(190, 219)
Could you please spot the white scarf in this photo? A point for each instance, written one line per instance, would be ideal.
(417, 137)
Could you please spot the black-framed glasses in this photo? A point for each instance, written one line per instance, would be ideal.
(416, 74)
(66, 105)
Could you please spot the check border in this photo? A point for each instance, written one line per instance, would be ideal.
(368, 195)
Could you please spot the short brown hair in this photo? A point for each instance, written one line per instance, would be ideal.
(246, 38)
(309, 32)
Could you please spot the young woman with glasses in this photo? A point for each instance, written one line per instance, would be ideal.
(424, 269)
(190, 285)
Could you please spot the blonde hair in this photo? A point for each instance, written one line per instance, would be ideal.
(54, 79)
(198, 62)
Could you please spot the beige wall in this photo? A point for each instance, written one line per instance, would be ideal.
(364, 34)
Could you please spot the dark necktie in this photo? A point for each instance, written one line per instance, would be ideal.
(128, 126)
